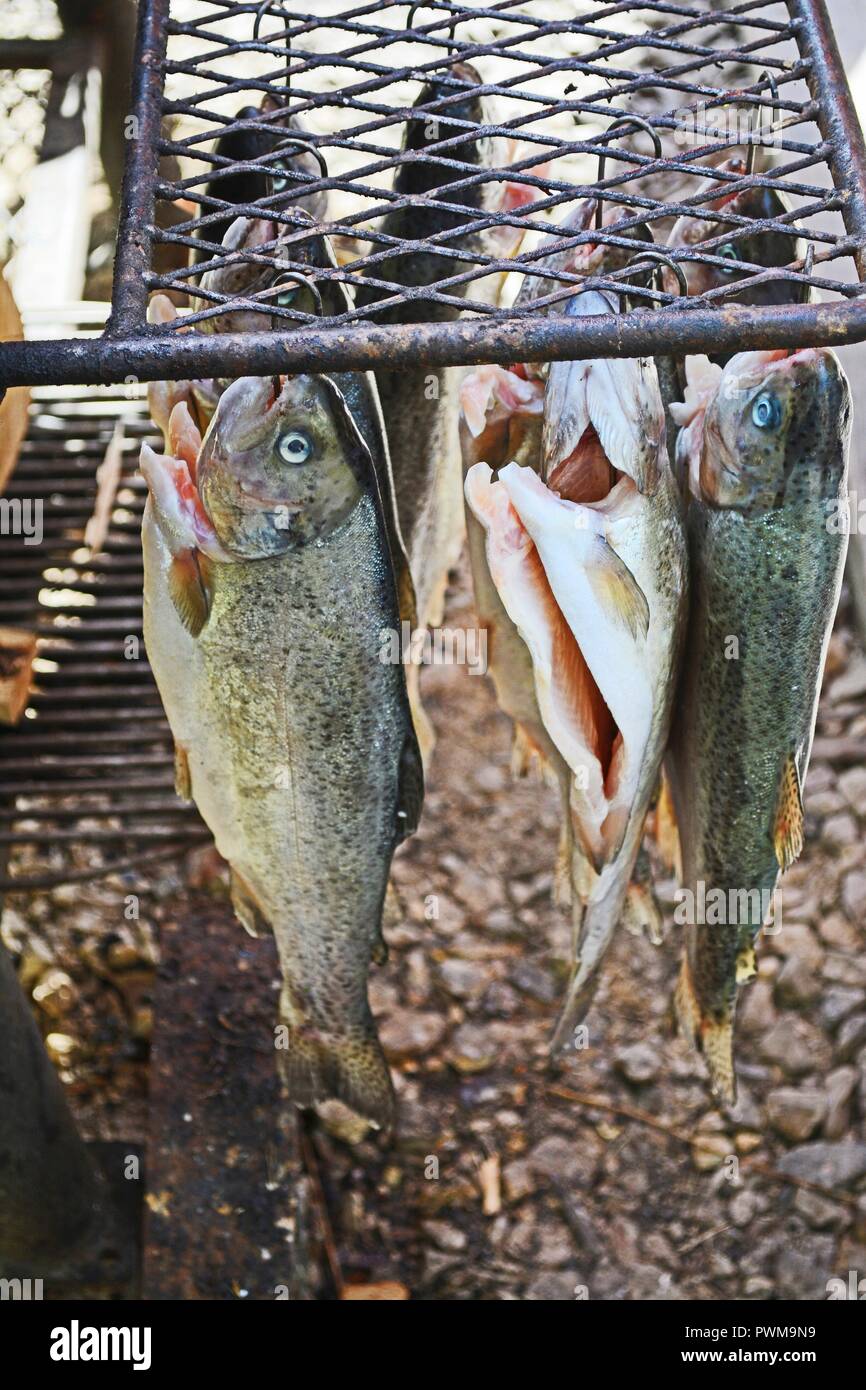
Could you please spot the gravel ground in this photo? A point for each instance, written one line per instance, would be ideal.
(505, 1181)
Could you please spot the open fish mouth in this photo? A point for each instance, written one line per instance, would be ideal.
(584, 620)
(602, 419)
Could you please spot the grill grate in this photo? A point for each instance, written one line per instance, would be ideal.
(87, 776)
(710, 79)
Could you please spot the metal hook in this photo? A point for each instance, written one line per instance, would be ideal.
(276, 8)
(621, 124)
(659, 259)
(452, 27)
(290, 142)
(757, 121)
(296, 278)
(808, 266)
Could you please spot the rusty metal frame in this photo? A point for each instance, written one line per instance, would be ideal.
(131, 347)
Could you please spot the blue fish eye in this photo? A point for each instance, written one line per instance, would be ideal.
(766, 411)
(295, 447)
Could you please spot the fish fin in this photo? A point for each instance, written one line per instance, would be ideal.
(247, 907)
(182, 778)
(581, 992)
(410, 792)
(188, 592)
(562, 886)
(713, 1038)
(788, 829)
(641, 915)
(667, 834)
(350, 1068)
(421, 722)
(618, 591)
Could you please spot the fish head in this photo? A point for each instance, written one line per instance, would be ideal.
(768, 248)
(279, 469)
(773, 430)
(603, 418)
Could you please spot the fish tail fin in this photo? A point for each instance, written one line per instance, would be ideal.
(713, 1038)
(350, 1067)
(581, 992)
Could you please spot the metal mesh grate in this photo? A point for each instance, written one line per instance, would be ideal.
(87, 776)
(554, 76)
(440, 144)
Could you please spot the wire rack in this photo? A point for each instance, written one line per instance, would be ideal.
(87, 776)
(441, 148)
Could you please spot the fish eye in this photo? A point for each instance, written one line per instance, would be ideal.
(766, 411)
(295, 447)
(728, 252)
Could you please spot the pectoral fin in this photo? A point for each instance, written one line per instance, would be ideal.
(188, 590)
(788, 829)
(617, 590)
(182, 779)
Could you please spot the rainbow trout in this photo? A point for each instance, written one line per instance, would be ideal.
(420, 405)
(764, 447)
(269, 579)
(588, 563)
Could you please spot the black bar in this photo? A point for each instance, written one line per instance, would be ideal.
(837, 116)
(129, 291)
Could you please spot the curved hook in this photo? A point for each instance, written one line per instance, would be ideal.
(290, 141)
(757, 121)
(659, 259)
(452, 27)
(294, 277)
(808, 266)
(276, 7)
(621, 124)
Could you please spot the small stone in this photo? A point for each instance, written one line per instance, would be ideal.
(711, 1152)
(840, 1085)
(123, 954)
(825, 803)
(742, 1208)
(490, 778)
(500, 1000)
(553, 1286)
(417, 978)
(796, 1112)
(464, 979)
(854, 895)
(851, 684)
(405, 1033)
(517, 1180)
(838, 1004)
(55, 994)
(796, 1046)
(639, 1063)
(839, 831)
(852, 785)
(851, 1037)
(565, 1160)
(797, 985)
(472, 1049)
(533, 980)
(803, 1273)
(831, 1165)
(36, 957)
(837, 932)
(756, 1014)
(820, 1212)
(445, 1237)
